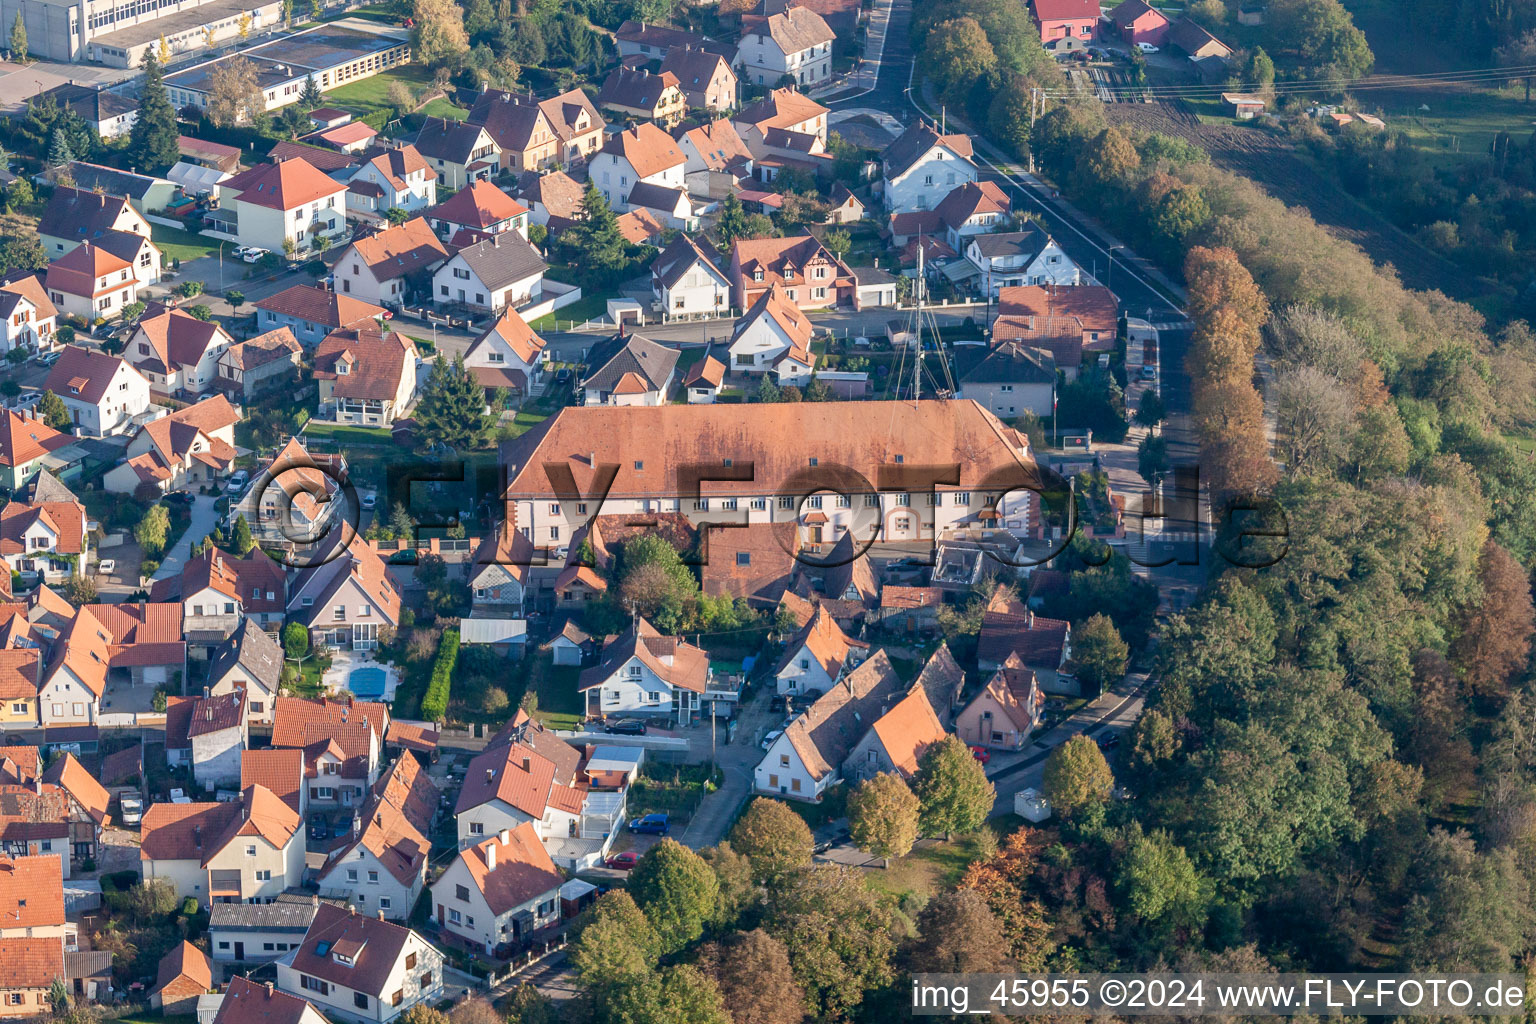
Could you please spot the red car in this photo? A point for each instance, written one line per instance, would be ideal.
(622, 861)
(981, 754)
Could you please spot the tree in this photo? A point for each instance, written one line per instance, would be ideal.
(838, 243)
(958, 933)
(152, 145)
(767, 390)
(397, 215)
(439, 37)
(19, 40)
(54, 412)
(132, 312)
(1009, 119)
(1261, 70)
(654, 582)
(615, 949)
(1159, 881)
(153, 530)
(401, 524)
(423, 1013)
(242, 542)
(19, 194)
(59, 152)
(840, 936)
(1076, 776)
(235, 298)
(882, 817)
(1152, 458)
(189, 289)
(243, 26)
(1520, 52)
(1314, 419)
(677, 891)
(400, 97)
(296, 641)
(452, 411)
(733, 883)
(675, 995)
(753, 973)
(952, 788)
(958, 54)
(475, 1011)
(234, 92)
(311, 98)
(773, 838)
(1495, 635)
(1151, 411)
(1100, 654)
(527, 1005)
(79, 590)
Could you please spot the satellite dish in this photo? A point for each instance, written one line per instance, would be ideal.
(1424, 107)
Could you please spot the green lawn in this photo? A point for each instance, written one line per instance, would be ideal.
(929, 869)
(561, 705)
(525, 420)
(369, 95)
(311, 672)
(588, 307)
(176, 244)
(444, 107)
(345, 434)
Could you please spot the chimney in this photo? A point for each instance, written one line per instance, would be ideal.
(527, 763)
(269, 984)
(505, 835)
(1029, 619)
(490, 856)
(197, 836)
(490, 774)
(207, 693)
(314, 901)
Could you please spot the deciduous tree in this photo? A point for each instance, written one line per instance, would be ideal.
(677, 891)
(882, 817)
(1495, 635)
(839, 934)
(773, 838)
(234, 92)
(1100, 653)
(952, 788)
(1076, 775)
(957, 932)
(438, 37)
(733, 880)
(755, 979)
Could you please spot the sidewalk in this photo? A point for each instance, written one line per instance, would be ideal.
(867, 74)
(204, 518)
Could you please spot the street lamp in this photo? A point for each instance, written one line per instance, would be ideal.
(221, 265)
(1109, 276)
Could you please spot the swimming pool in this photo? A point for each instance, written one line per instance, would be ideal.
(367, 681)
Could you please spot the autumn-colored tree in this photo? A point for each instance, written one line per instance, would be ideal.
(882, 817)
(755, 980)
(475, 1011)
(952, 788)
(439, 35)
(958, 933)
(1495, 635)
(1002, 880)
(1233, 442)
(1076, 775)
(1108, 161)
(1217, 281)
(958, 54)
(774, 838)
(234, 92)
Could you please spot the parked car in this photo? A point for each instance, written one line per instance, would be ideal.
(779, 702)
(371, 499)
(179, 497)
(1109, 741)
(1146, 48)
(49, 358)
(319, 828)
(981, 754)
(237, 482)
(622, 861)
(1148, 372)
(768, 740)
(651, 824)
(254, 254)
(133, 810)
(625, 727)
(563, 376)
(812, 695)
(107, 566)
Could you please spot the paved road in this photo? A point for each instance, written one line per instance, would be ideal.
(894, 61)
(737, 760)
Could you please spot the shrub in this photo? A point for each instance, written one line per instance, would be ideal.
(434, 706)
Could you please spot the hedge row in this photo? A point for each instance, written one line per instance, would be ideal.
(434, 706)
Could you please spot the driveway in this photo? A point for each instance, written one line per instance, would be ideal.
(204, 518)
(737, 760)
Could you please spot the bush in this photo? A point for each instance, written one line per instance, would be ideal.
(434, 706)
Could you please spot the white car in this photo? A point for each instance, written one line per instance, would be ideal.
(1146, 48)
(771, 737)
(106, 566)
(370, 499)
(254, 254)
(237, 482)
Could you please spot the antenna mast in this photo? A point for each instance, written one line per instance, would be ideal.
(917, 324)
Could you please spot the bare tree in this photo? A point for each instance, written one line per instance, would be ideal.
(234, 92)
(1307, 336)
(1314, 419)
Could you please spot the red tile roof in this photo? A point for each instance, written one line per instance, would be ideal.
(279, 769)
(248, 1003)
(32, 892)
(364, 364)
(522, 868)
(23, 439)
(78, 271)
(318, 306)
(31, 963)
(283, 185)
(70, 775)
(82, 374)
(481, 205)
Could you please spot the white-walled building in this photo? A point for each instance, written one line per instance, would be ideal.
(90, 281)
(774, 335)
(922, 166)
(357, 968)
(103, 393)
(796, 42)
(246, 851)
(642, 154)
(272, 204)
(499, 891)
(1020, 258)
(378, 268)
(687, 281)
(646, 674)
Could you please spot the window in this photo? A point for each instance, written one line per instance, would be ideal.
(314, 984)
(962, 497)
(476, 828)
(469, 921)
(426, 980)
(843, 501)
(785, 501)
(397, 998)
(264, 876)
(384, 902)
(455, 917)
(904, 500)
(410, 961)
(554, 533)
(223, 945)
(269, 947)
(461, 892)
(359, 1000)
(743, 558)
(783, 760)
(373, 876)
(351, 874)
(250, 851)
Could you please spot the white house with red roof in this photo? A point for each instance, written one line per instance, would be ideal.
(341, 741)
(796, 41)
(104, 394)
(24, 441)
(508, 355)
(346, 595)
(773, 336)
(193, 446)
(312, 313)
(217, 591)
(27, 316)
(209, 733)
(246, 1002)
(366, 376)
(33, 533)
(91, 282)
(640, 155)
(288, 201)
(922, 166)
(382, 867)
(499, 892)
(645, 673)
(394, 178)
(358, 969)
(380, 268)
(175, 351)
(296, 495)
(478, 212)
(811, 276)
(243, 851)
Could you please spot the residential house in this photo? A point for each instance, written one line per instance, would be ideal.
(1020, 257)
(312, 313)
(1066, 25)
(895, 740)
(91, 282)
(32, 899)
(751, 562)
(640, 226)
(250, 660)
(704, 380)
(846, 208)
(1008, 378)
(382, 868)
(577, 584)
(19, 674)
(216, 732)
(652, 41)
(246, 1002)
(507, 355)
(847, 587)
(1005, 712)
(28, 318)
(1136, 21)
(479, 211)
(460, 152)
(817, 655)
(145, 192)
(795, 41)
(347, 595)
(784, 129)
(390, 178)
(360, 969)
(942, 679)
(636, 93)
(809, 274)
(500, 272)
(35, 825)
(280, 769)
(391, 266)
(20, 765)
(88, 803)
(643, 154)
(192, 447)
(176, 352)
(687, 281)
(250, 369)
(137, 251)
(218, 592)
(498, 573)
(296, 495)
(242, 851)
(366, 376)
(923, 166)
(631, 370)
(111, 115)
(25, 441)
(1033, 337)
(1043, 645)
(774, 335)
(575, 123)
(715, 159)
(47, 537)
(1195, 42)
(500, 892)
(341, 743)
(281, 205)
(705, 78)
(975, 208)
(571, 646)
(259, 933)
(645, 673)
(75, 215)
(74, 675)
(911, 610)
(554, 199)
(1094, 306)
(31, 968)
(184, 976)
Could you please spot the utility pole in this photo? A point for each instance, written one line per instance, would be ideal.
(1034, 94)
